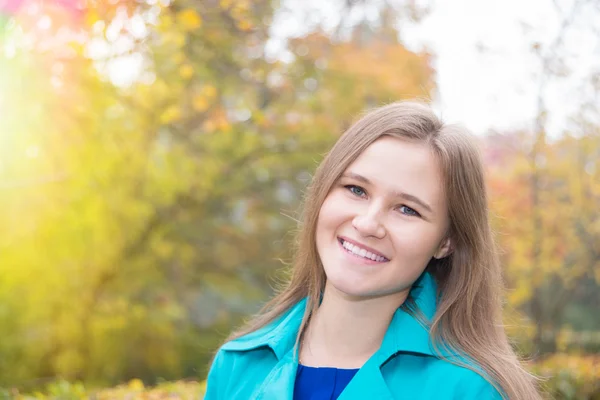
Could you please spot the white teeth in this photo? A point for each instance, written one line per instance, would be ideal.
(361, 252)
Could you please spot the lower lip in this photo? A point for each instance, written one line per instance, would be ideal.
(358, 259)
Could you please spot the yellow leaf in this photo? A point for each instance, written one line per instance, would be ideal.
(186, 71)
(91, 17)
(136, 384)
(223, 125)
(242, 6)
(220, 122)
(189, 19)
(260, 119)
(245, 25)
(209, 91)
(174, 38)
(225, 4)
(165, 22)
(171, 114)
(200, 103)
(178, 57)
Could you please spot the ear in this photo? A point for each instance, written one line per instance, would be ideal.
(444, 250)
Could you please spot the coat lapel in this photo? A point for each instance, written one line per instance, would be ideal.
(368, 383)
(279, 384)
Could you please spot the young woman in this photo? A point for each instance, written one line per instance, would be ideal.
(396, 288)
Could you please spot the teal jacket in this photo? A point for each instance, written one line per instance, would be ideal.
(262, 365)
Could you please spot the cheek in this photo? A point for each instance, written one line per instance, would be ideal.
(333, 212)
(418, 240)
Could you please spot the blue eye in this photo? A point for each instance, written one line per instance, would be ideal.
(409, 211)
(356, 190)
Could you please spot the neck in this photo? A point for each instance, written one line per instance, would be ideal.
(346, 331)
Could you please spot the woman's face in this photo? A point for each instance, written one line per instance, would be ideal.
(383, 220)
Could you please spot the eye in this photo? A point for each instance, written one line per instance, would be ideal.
(356, 190)
(409, 211)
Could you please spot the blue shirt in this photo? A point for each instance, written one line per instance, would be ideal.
(263, 365)
(321, 383)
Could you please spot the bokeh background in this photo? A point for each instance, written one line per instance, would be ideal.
(154, 154)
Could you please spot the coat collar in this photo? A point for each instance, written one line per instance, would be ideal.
(279, 335)
(406, 333)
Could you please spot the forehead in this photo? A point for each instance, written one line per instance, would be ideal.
(402, 165)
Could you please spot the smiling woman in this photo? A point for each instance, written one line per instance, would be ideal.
(396, 287)
(381, 217)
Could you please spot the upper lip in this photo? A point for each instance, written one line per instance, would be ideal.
(362, 246)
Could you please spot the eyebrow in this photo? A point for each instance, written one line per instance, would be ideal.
(395, 193)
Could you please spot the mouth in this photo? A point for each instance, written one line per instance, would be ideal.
(368, 255)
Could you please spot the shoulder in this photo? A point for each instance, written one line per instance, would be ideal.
(474, 385)
(235, 373)
(466, 381)
(436, 378)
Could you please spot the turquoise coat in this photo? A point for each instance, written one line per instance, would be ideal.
(262, 365)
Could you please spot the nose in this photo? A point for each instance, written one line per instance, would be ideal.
(369, 224)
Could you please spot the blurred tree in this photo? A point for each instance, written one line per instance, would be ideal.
(568, 194)
(551, 186)
(140, 212)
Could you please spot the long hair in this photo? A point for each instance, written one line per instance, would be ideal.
(468, 320)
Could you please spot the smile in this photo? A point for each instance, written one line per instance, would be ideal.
(360, 252)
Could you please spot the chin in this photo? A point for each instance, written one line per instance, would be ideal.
(360, 286)
(352, 287)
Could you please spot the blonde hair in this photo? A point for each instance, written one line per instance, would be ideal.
(469, 314)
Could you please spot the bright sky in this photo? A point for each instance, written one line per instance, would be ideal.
(487, 75)
(497, 87)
